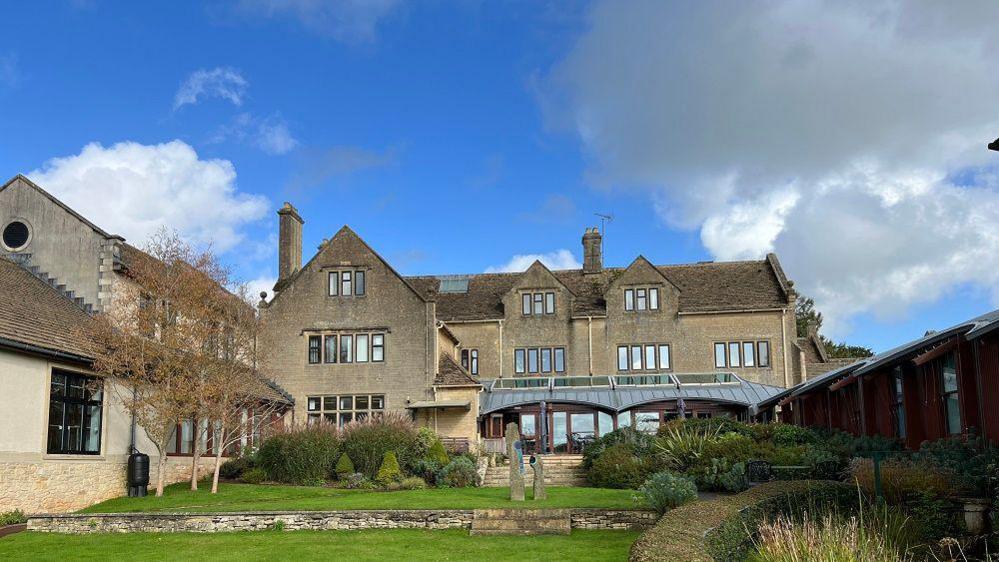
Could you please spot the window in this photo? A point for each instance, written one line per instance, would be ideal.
(345, 284)
(75, 408)
(464, 359)
(314, 351)
(539, 360)
(653, 299)
(346, 349)
(951, 399)
(538, 310)
(641, 300)
(16, 235)
(742, 354)
(359, 283)
(362, 348)
(764, 353)
(377, 347)
(664, 357)
(334, 283)
(526, 303)
(720, 356)
(549, 303)
(646, 357)
(470, 360)
(749, 354)
(898, 403)
(733, 354)
(341, 410)
(629, 299)
(329, 349)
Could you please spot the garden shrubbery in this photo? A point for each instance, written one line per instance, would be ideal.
(304, 456)
(619, 466)
(664, 491)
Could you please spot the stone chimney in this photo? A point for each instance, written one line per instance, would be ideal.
(289, 242)
(593, 261)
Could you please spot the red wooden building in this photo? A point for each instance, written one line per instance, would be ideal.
(942, 384)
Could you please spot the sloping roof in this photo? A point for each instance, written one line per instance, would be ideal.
(34, 314)
(62, 205)
(704, 287)
(818, 368)
(622, 398)
(450, 373)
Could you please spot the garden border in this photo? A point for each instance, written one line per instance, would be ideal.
(80, 523)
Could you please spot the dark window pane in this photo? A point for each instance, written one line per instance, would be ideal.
(378, 347)
(546, 360)
(361, 402)
(464, 358)
(518, 360)
(559, 359)
(314, 352)
(532, 360)
(330, 349)
(92, 429)
(346, 402)
(377, 402)
(346, 418)
(346, 287)
(475, 362)
(313, 405)
(346, 349)
(764, 354)
(359, 283)
(55, 427)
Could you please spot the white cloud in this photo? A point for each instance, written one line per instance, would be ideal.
(220, 82)
(559, 259)
(133, 189)
(350, 21)
(848, 136)
(270, 134)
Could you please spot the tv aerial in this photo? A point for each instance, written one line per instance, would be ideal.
(603, 220)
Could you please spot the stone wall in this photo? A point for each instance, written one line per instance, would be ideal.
(317, 520)
(55, 486)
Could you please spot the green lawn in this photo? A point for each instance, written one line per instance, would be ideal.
(263, 497)
(378, 545)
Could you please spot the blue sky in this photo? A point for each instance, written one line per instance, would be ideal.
(455, 136)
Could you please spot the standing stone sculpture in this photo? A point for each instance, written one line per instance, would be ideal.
(540, 493)
(516, 456)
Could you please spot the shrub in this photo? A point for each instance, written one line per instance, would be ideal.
(968, 462)
(254, 476)
(344, 467)
(733, 447)
(459, 473)
(367, 442)
(720, 476)
(681, 446)
(664, 491)
(719, 424)
(831, 537)
(721, 529)
(642, 443)
(618, 467)
(305, 455)
(389, 472)
(412, 483)
(15, 517)
(234, 468)
(786, 435)
(788, 455)
(426, 469)
(356, 481)
(437, 453)
(901, 478)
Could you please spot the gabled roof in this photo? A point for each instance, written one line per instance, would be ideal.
(35, 317)
(62, 205)
(704, 287)
(640, 260)
(450, 373)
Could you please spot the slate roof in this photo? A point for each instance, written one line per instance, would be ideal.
(704, 287)
(450, 373)
(34, 314)
(621, 398)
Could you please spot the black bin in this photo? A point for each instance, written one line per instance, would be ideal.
(138, 474)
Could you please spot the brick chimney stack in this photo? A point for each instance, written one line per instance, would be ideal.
(289, 242)
(593, 261)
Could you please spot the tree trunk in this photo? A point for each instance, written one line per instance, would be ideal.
(195, 455)
(160, 472)
(218, 467)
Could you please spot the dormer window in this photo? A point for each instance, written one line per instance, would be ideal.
(641, 299)
(538, 304)
(346, 283)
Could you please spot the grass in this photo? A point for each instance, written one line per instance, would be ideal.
(260, 497)
(375, 545)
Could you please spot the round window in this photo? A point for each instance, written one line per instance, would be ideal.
(16, 235)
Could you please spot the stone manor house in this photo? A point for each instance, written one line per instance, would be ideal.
(346, 338)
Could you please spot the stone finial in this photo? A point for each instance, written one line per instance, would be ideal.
(515, 454)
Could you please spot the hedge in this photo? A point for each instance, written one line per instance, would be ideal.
(718, 530)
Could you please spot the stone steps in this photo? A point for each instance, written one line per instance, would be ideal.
(560, 470)
(521, 522)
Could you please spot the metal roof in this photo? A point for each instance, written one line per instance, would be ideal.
(619, 398)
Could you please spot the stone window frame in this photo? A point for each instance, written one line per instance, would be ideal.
(649, 295)
(739, 345)
(318, 408)
(643, 351)
(538, 303)
(523, 366)
(335, 282)
(31, 234)
(470, 360)
(345, 344)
